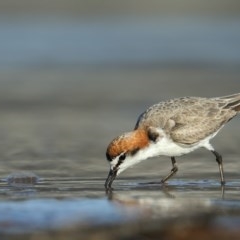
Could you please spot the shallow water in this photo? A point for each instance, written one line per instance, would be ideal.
(53, 165)
(62, 103)
(56, 204)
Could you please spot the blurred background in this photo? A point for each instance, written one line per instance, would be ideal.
(74, 74)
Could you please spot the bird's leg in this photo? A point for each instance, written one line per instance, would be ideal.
(173, 170)
(220, 165)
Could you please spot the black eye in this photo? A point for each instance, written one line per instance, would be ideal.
(120, 160)
(122, 157)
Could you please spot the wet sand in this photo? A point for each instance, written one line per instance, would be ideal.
(56, 123)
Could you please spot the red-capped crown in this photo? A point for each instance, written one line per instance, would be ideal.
(128, 142)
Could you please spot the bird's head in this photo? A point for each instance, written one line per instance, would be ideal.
(127, 150)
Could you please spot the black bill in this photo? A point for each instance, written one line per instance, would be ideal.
(111, 176)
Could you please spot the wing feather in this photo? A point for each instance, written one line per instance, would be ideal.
(187, 120)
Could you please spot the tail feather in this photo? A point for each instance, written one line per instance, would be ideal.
(231, 97)
(232, 102)
(237, 108)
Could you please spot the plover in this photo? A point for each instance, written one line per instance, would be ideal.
(172, 128)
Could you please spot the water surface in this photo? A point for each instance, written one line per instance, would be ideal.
(66, 90)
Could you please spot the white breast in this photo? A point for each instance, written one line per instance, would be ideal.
(166, 147)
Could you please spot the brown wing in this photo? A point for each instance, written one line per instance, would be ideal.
(187, 120)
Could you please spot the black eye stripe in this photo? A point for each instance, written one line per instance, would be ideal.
(120, 160)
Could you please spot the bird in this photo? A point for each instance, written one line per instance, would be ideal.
(172, 128)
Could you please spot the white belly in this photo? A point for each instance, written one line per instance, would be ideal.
(167, 147)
